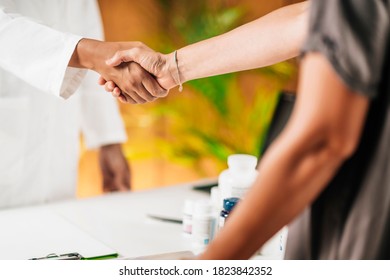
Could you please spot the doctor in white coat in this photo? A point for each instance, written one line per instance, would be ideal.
(39, 131)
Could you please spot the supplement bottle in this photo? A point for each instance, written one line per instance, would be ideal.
(239, 177)
(187, 216)
(228, 205)
(202, 225)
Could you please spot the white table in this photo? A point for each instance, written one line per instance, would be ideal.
(113, 223)
(119, 221)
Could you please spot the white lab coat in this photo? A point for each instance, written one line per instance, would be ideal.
(39, 129)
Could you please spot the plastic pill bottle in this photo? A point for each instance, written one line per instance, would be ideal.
(202, 225)
(188, 211)
(228, 205)
(215, 197)
(239, 177)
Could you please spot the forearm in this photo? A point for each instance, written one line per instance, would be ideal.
(39, 61)
(323, 131)
(273, 38)
(291, 175)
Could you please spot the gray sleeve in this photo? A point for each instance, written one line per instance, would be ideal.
(353, 35)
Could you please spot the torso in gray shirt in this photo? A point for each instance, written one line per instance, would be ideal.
(351, 217)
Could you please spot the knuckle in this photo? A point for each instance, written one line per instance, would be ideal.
(110, 85)
(133, 84)
(116, 90)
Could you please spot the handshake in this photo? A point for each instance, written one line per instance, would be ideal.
(131, 71)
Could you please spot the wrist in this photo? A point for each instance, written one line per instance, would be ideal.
(175, 69)
(171, 70)
(83, 54)
(91, 54)
(162, 66)
(111, 146)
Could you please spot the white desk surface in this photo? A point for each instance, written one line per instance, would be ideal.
(117, 221)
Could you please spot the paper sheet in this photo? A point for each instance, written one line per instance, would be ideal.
(37, 232)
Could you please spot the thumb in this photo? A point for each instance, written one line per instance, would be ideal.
(119, 57)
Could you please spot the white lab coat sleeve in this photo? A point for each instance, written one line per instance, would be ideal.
(38, 54)
(101, 122)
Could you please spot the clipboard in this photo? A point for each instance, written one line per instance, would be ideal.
(37, 233)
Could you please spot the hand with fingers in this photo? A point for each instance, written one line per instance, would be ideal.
(134, 83)
(115, 169)
(161, 66)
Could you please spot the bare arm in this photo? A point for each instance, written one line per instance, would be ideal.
(273, 38)
(323, 132)
(276, 37)
(51, 56)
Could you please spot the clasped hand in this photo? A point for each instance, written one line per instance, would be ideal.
(137, 74)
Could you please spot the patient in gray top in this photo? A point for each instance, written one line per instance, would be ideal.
(351, 218)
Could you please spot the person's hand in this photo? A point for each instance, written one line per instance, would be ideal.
(136, 84)
(115, 169)
(161, 66)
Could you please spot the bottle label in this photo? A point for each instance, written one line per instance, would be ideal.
(221, 222)
(187, 224)
(202, 226)
(200, 241)
(202, 231)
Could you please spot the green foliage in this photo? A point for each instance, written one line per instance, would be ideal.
(207, 24)
(221, 115)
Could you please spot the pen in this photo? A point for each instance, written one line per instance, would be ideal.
(165, 219)
(70, 256)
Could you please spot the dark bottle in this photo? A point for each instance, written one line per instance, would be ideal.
(228, 205)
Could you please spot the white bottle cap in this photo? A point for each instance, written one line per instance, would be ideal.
(242, 162)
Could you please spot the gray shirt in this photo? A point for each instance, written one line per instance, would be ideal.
(351, 217)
